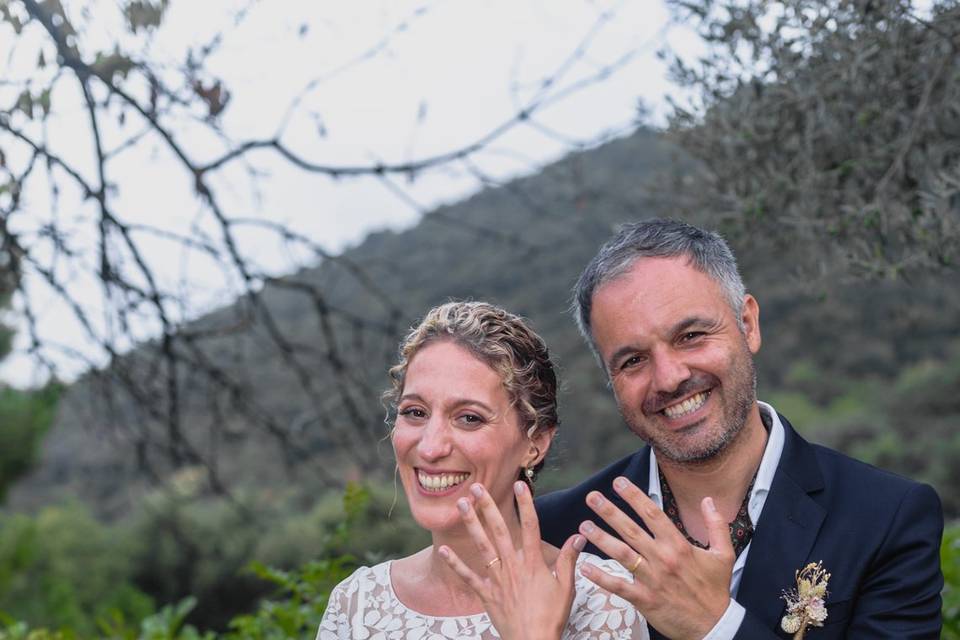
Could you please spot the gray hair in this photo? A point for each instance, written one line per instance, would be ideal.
(707, 252)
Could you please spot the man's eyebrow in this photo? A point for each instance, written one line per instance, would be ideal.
(619, 353)
(694, 321)
(680, 327)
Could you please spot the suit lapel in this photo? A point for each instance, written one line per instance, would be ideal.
(787, 529)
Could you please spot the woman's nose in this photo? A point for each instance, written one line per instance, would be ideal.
(435, 441)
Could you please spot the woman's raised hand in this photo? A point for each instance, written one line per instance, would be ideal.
(524, 598)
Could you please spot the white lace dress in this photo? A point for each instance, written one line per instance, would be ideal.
(364, 607)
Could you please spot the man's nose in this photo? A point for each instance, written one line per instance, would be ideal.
(435, 439)
(669, 371)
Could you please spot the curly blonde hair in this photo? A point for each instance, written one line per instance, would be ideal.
(500, 339)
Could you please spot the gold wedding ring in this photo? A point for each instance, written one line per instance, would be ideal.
(493, 562)
(636, 564)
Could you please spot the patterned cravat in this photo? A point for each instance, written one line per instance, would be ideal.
(741, 529)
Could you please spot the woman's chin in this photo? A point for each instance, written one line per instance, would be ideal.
(439, 521)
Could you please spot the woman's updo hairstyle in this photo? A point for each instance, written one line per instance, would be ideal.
(503, 341)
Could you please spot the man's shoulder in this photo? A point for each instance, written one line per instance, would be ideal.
(843, 473)
(861, 486)
(599, 481)
(561, 511)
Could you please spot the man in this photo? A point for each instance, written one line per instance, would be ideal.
(726, 503)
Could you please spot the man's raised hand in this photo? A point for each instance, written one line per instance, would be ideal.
(682, 590)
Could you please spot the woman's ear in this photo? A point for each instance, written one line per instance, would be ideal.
(539, 445)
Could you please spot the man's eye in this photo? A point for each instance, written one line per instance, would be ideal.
(632, 361)
(690, 336)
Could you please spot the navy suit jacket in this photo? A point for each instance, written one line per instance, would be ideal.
(878, 535)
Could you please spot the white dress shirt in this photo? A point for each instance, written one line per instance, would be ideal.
(726, 628)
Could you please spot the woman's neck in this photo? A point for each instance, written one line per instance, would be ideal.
(433, 587)
(461, 542)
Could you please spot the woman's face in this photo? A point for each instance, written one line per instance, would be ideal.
(455, 426)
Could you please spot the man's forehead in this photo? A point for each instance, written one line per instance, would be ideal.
(654, 298)
(651, 278)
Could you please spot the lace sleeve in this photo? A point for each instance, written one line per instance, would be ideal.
(335, 624)
(599, 614)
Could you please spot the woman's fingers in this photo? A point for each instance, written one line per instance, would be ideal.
(529, 523)
(488, 551)
(567, 559)
(494, 524)
(476, 582)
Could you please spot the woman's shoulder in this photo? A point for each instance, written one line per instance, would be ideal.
(361, 589)
(365, 578)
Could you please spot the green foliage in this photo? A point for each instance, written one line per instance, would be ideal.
(63, 569)
(25, 416)
(200, 546)
(907, 425)
(950, 561)
(801, 138)
(294, 611)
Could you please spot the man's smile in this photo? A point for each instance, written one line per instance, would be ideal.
(686, 406)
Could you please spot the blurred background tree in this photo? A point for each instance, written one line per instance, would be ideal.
(833, 124)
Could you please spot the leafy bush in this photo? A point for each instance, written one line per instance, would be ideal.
(294, 612)
(25, 416)
(63, 569)
(950, 561)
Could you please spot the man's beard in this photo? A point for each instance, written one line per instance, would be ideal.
(739, 395)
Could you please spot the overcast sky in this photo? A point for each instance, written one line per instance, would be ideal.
(399, 81)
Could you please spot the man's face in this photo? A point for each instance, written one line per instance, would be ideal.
(680, 366)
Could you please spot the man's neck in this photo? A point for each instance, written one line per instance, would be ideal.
(725, 478)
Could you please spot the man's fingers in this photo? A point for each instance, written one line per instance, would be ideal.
(629, 530)
(652, 515)
(529, 523)
(718, 531)
(614, 584)
(612, 546)
(493, 519)
(473, 580)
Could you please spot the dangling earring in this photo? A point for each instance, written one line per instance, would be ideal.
(528, 472)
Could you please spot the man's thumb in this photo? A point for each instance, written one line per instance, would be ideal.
(717, 529)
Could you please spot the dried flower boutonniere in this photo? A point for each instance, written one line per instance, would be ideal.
(805, 604)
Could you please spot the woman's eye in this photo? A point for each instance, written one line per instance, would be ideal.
(413, 412)
(471, 419)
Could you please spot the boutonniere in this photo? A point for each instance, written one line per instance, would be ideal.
(805, 603)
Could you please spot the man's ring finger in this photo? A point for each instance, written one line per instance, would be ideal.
(636, 564)
(493, 562)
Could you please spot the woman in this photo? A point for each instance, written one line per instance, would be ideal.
(475, 409)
